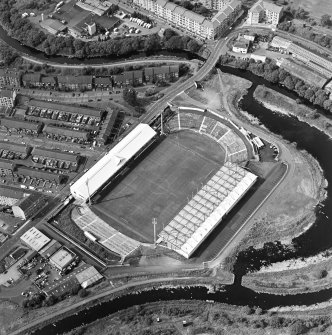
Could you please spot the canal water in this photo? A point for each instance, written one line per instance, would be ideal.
(314, 240)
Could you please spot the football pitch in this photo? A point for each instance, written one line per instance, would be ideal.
(159, 185)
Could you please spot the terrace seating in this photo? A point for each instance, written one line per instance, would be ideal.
(208, 125)
(173, 124)
(190, 120)
(238, 157)
(219, 131)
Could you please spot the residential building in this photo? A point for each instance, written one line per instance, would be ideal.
(15, 125)
(75, 83)
(48, 82)
(6, 167)
(20, 151)
(215, 4)
(7, 98)
(27, 207)
(31, 80)
(132, 78)
(193, 23)
(263, 11)
(34, 174)
(67, 134)
(103, 82)
(162, 73)
(56, 108)
(9, 78)
(55, 158)
(107, 129)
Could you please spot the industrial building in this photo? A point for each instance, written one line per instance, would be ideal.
(50, 249)
(35, 239)
(112, 163)
(95, 6)
(28, 206)
(88, 277)
(194, 223)
(53, 26)
(62, 258)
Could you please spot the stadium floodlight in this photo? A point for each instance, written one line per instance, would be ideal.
(154, 222)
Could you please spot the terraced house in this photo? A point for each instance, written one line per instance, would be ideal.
(193, 23)
(9, 78)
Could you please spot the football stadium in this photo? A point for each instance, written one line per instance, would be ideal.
(171, 182)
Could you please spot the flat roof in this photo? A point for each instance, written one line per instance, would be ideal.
(50, 248)
(35, 239)
(112, 162)
(62, 258)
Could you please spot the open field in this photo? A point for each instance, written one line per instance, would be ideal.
(316, 8)
(159, 186)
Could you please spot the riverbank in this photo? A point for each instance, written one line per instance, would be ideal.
(281, 104)
(202, 317)
(38, 318)
(293, 276)
(289, 211)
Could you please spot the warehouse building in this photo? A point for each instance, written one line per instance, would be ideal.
(28, 206)
(35, 239)
(88, 277)
(50, 249)
(53, 26)
(111, 164)
(62, 258)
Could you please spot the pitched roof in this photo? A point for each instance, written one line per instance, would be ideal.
(75, 80)
(6, 164)
(40, 174)
(179, 10)
(102, 81)
(16, 147)
(55, 154)
(171, 6)
(11, 192)
(161, 3)
(65, 108)
(8, 73)
(20, 124)
(48, 80)
(34, 77)
(66, 132)
(193, 16)
(6, 94)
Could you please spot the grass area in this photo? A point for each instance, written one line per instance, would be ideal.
(159, 186)
(285, 105)
(9, 312)
(203, 318)
(316, 8)
(308, 278)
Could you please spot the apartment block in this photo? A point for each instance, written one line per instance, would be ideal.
(194, 23)
(263, 11)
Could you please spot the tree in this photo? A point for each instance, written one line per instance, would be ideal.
(83, 293)
(298, 328)
(325, 20)
(130, 96)
(289, 83)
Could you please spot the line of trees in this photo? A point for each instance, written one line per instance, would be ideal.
(271, 72)
(27, 33)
